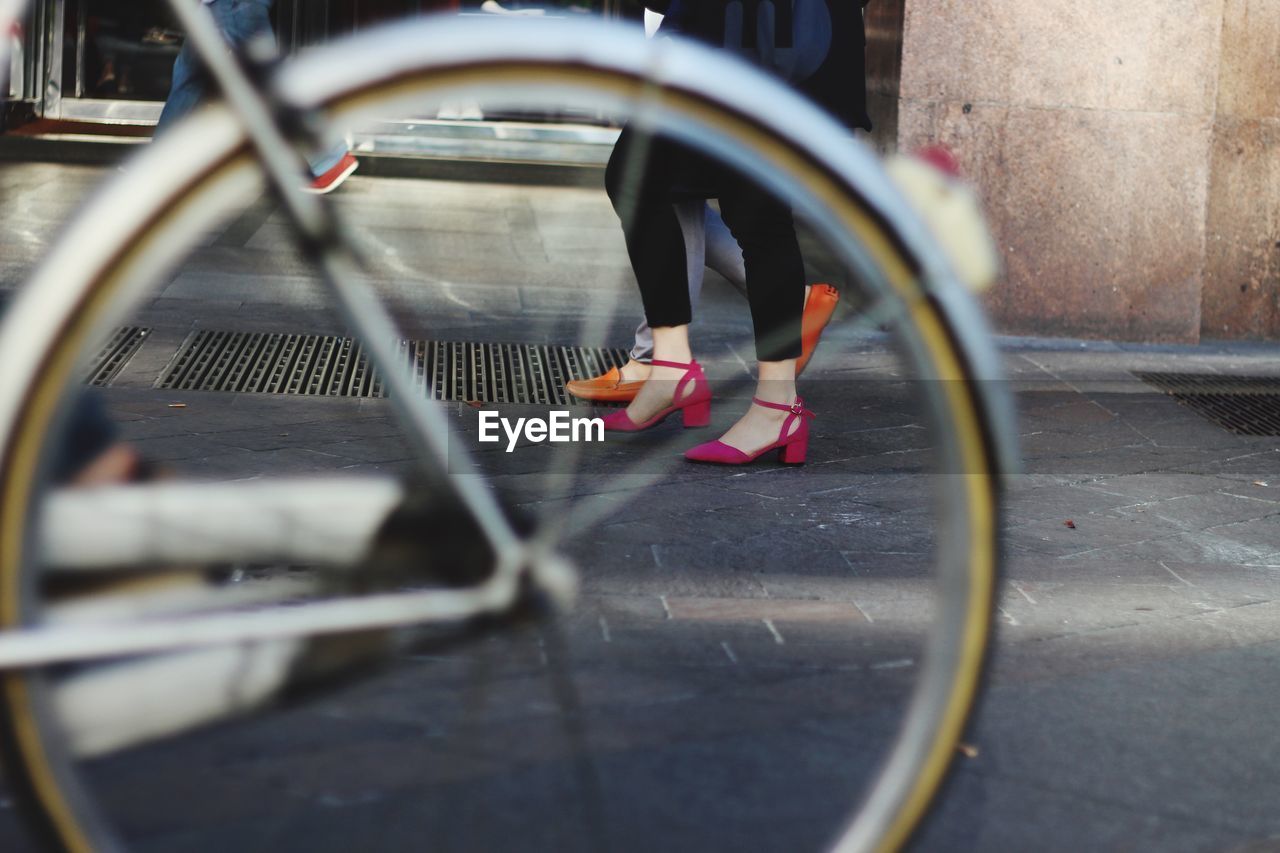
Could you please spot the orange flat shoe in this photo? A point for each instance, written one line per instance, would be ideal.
(607, 388)
(818, 309)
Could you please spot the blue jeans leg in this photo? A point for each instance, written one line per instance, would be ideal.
(185, 92)
(321, 163)
(239, 21)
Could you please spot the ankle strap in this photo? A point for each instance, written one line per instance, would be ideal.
(657, 363)
(796, 408)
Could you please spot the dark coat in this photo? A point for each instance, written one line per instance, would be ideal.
(839, 85)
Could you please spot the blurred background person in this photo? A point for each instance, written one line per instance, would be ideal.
(240, 22)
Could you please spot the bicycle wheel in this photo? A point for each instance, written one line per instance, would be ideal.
(176, 193)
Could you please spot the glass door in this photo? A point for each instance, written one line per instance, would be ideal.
(108, 62)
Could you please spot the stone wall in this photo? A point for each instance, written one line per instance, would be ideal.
(1127, 153)
(883, 21)
(1242, 270)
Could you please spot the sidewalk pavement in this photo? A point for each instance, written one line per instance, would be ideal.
(1132, 691)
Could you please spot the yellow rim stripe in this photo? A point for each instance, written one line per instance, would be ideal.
(19, 486)
(982, 532)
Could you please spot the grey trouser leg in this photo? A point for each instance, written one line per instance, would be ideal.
(723, 254)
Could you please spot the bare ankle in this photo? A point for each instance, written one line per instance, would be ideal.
(635, 370)
(777, 391)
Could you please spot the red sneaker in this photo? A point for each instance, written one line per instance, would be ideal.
(330, 180)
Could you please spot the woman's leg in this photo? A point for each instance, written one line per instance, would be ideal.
(692, 216)
(238, 21)
(761, 426)
(766, 231)
(670, 343)
(638, 180)
(708, 245)
(186, 90)
(775, 274)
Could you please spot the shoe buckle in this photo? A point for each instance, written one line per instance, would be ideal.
(797, 408)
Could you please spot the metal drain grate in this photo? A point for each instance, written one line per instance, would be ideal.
(332, 366)
(115, 354)
(1248, 405)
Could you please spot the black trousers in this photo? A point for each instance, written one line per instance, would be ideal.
(645, 175)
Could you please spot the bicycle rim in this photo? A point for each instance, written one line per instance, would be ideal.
(82, 292)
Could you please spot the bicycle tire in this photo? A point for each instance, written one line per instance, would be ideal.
(81, 289)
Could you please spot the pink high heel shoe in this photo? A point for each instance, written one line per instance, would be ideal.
(695, 409)
(792, 447)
